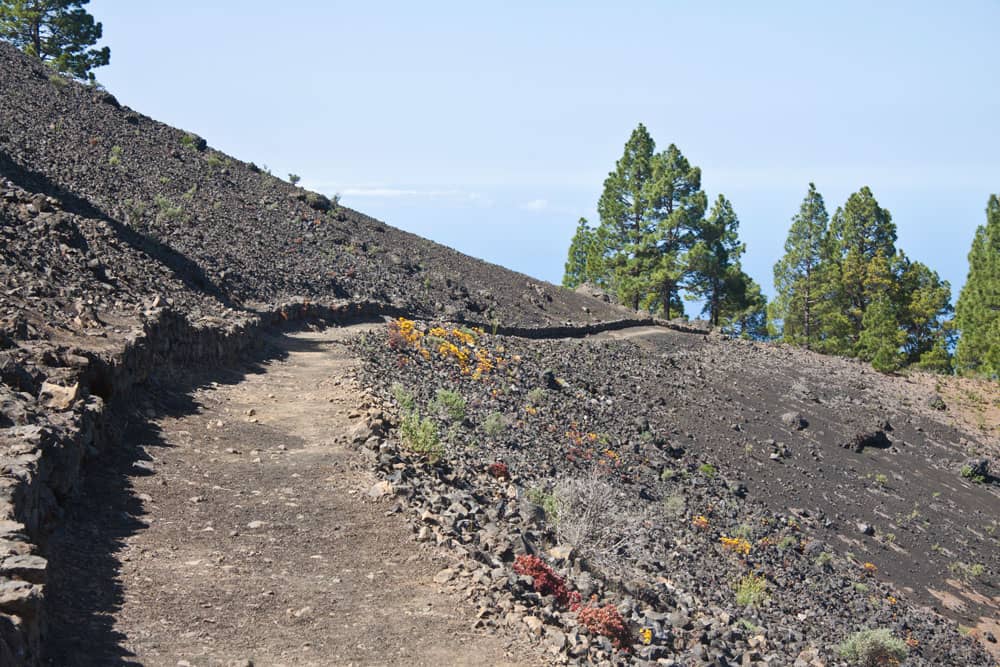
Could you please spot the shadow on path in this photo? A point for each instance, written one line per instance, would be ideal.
(84, 589)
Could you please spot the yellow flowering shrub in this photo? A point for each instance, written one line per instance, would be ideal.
(735, 544)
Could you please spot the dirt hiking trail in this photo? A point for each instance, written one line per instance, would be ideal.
(233, 528)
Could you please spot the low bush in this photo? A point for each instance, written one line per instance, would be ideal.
(605, 621)
(494, 425)
(751, 590)
(873, 648)
(545, 580)
(449, 404)
(421, 436)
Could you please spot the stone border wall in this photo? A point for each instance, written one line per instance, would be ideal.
(41, 463)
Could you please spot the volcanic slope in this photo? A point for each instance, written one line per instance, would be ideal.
(676, 465)
(249, 237)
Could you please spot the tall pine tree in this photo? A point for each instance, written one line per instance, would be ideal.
(629, 208)
(682, 205)
(714, 260)
(977, 314)
(798, 273)
(650, 209)
(858, 253)
(586, 260)
(59, 32)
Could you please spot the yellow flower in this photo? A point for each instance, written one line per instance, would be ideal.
(646, 635)
(736, 544)
(700, 521)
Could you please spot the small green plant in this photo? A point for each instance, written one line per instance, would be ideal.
(115, 159)
(294, 179)
(536, 396)
(668, 474)
(750, 590)
(58, 81)
(547, 501)
(969, 473)
(861, 588)
(494, 425)
(675, 505)
(420, 436)
(873, 648)
(403, 397)
(824, 559)
(193, 141)
(890, 537)
(167, 210)
(881, 480)
(743, 531)
(964, 630)
(787, 542)
(966, 572)
(450, 405)
(707, 469)
(214, 161)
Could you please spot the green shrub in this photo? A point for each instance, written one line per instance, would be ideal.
(449, 404)
(403, 398)
(824, 559)
(494, 425)
(873, 648)
(294, 179)
(881, 479)
(193, 141)
(115, 159)
(970, 474)
(214, 161)
(536, 396)
(168, 211)
(675, 505)
(750, 590)
(967, 573)
(547, 501)
(707, 469)
(421, 436)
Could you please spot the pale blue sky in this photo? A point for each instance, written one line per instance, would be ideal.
(491, 128)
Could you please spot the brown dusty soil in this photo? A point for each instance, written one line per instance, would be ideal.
(234, 528)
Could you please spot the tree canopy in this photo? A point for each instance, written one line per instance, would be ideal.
(845, 288)
(977, 314)
(653, 241)
(59, 32)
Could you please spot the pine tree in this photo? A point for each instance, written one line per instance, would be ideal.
(650, 208)
(860, 248)
(628, 211)
(586, 262)
(797, 273)
(977, 314)
(714, 260)
(924, 302)
(881, 338)
(744, 307)
(58, 32)
(682, 204)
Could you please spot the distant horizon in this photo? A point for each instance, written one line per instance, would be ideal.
(491, 131)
